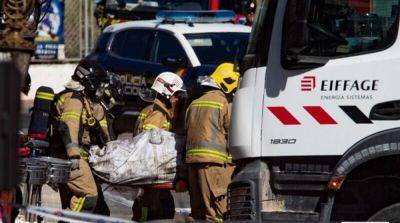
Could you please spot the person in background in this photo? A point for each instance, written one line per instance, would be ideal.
(245, 12)
(250, 13)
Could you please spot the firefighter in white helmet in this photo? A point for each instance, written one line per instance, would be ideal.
(158, 204)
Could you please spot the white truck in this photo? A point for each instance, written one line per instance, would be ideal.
(315, 124)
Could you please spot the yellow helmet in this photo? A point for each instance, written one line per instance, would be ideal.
(226, 77)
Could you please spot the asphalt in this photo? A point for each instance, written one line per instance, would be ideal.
(120, 207)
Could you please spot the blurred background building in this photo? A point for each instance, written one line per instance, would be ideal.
(67, 32)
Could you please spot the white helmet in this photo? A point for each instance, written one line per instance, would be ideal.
(167, 83)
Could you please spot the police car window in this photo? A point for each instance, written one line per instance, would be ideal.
(167, 46)
(117, 40)
(133, 44)
(343, 27)
(103, 41)
(217, 48)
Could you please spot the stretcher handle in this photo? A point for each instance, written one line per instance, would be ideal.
(163, 186)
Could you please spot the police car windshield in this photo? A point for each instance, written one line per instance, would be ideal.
(217, 48)
(183, 4)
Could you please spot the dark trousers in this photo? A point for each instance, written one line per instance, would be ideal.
(153, 204)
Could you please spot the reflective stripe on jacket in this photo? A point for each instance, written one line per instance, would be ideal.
(153, 116)
(207, 125)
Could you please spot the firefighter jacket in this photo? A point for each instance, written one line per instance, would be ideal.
(156, 115)
(207, 125)
(79, 123)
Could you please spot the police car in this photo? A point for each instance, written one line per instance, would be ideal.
(186, 42)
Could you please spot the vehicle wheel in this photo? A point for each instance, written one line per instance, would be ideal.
(389, 214)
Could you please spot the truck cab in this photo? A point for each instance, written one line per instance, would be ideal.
(315, 121)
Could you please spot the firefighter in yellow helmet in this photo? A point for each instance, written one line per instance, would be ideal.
(79, 121)
(207, 156)
(154, 203)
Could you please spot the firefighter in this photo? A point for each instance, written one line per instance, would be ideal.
(210, 166)
(153, 203)
(79, 121)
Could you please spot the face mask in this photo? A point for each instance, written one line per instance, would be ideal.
(108, 100)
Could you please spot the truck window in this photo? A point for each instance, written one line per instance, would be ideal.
(257, 51)
(133, 44)
(338, 28)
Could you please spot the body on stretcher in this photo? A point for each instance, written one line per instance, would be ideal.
(152, 159)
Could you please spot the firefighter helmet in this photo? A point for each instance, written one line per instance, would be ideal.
(226, 77)
(90, 75)
(167, 84)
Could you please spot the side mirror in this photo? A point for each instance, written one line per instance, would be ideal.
(174, 62)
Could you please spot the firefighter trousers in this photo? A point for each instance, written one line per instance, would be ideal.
(152, 205)
(80, 193)
(208, 185)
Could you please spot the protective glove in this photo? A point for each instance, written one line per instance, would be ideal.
(181, 186)
(74, 163)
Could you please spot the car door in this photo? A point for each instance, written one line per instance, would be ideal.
(130, 58)
(166, 45)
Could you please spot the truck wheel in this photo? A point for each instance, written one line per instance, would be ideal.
(389, 214)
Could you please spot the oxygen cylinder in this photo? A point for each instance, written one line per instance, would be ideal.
(41, 111)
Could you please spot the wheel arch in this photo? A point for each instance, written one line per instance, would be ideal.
(379, 145)
(385, 143)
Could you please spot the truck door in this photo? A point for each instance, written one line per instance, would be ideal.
(332, 77)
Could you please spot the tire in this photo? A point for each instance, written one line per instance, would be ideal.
(389, 214)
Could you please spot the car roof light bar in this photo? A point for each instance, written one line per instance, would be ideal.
(219, 16)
